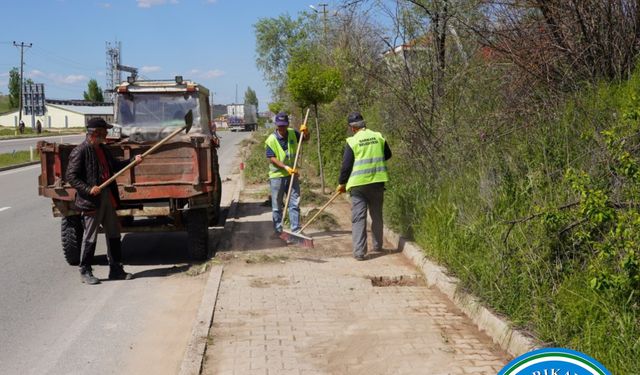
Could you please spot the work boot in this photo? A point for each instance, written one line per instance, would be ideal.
(86, 275)
(117, 272)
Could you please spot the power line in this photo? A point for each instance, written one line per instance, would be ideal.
(66, 61)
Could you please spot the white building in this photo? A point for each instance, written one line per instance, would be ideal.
(62, 114)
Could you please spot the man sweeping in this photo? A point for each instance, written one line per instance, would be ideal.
(363, 174)
(281, 148)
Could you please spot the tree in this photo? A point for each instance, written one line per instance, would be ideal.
(94, 92)
(14, 88)
(276, 39)
(276, 107)
(250, 97)
(312, 83)
(562, 43)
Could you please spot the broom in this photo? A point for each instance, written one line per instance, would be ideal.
(293, 176)
(303, 240)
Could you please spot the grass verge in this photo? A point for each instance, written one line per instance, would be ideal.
(15, 158)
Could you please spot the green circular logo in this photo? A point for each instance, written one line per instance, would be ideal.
(554, 361)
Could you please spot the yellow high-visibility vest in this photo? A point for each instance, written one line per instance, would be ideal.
(369, 165)
(287, 157)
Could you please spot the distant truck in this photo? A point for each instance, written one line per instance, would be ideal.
(242, 117)
(176, 188)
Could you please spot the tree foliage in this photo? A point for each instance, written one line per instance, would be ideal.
(250, 97)
(560, 43)
(276, 107)
(94, 92)
(276, 40)
(310, 82)
(14, 88)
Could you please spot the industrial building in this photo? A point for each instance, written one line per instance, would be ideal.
(60, 114)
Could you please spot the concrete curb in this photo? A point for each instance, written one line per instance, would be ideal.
(499, 329)
(16, 166)
(194, 354)
(225, 242)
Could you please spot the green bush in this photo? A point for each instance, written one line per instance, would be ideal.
(543, 224)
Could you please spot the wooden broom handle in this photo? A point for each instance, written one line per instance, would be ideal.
(333, 197)
(133, 163)
(295, 164)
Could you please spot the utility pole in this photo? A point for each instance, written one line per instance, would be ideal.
(324, 19)
(22, 45)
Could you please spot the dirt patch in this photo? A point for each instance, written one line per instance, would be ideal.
(267, 282)
(325, 220)
(403, 280)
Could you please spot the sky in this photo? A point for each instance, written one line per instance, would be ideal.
(209, 41)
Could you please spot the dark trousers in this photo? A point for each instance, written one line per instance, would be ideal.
(106, 216)
(366, 198)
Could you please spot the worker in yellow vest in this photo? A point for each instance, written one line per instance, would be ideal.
(281, 147)
(363, 174)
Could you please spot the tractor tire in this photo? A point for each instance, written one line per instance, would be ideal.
(214, 210)
(71, 231)
(198, 233)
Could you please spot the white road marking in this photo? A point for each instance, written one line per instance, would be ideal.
(4, 208)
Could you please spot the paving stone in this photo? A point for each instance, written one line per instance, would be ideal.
(315, 311)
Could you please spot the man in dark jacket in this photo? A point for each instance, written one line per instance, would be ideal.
(363, 175)
(90, 164)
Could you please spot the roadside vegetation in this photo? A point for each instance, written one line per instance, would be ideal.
(4, 104)
(515, 133)
(10, 132)
(15, 158)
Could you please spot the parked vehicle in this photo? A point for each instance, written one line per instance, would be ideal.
(176, 188)
(242, 117)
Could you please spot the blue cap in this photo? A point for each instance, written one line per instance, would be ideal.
(355, 119)
(282, 119)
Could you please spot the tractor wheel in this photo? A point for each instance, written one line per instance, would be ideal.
(214, 210)
(71, 231)
(198, 232)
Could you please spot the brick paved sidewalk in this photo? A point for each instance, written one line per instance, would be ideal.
(291, 310)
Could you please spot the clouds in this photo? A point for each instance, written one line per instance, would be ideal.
(68, 79)
(60, 79)
(36, 73)
(150, 69)
(209, 74)
(153, 3)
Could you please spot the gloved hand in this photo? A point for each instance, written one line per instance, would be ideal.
(304, 131)
(290, 170)
(341, 188)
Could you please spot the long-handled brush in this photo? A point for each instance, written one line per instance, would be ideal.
(293, 175)
(300, 238)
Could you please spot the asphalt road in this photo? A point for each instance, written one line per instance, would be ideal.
(23, 144)
(51, 323)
